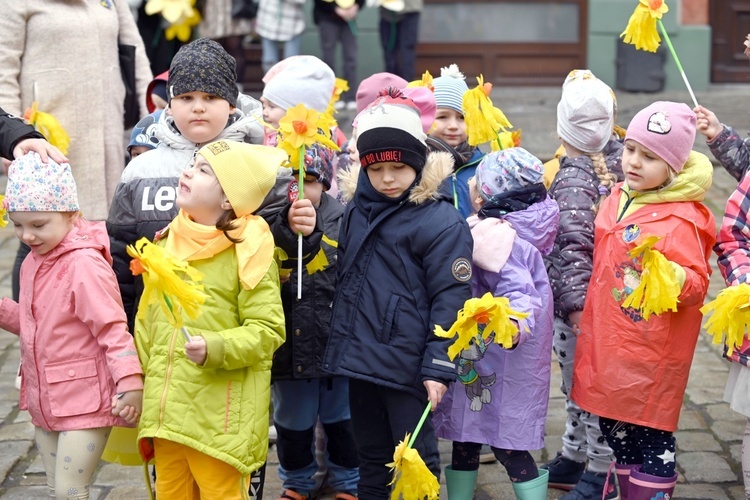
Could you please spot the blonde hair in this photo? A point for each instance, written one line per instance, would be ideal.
(606, 178)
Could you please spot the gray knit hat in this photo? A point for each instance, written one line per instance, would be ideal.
(203, 66)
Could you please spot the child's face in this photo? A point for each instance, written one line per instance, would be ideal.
(200, 194)
(476, 200)
(138, 150)
(159, 103)
(313, 190)
(391, 178)
(643, 169)
(42, 231)
(449, 126)
(272, 113)
(200, 117)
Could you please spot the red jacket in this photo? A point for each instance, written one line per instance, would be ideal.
(627, 368)
(76, 352)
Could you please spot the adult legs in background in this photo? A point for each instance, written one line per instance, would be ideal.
(70, 459)
(331, 33)
(269, 53)
(233, 45)
(292, 47)
(389, 34)
(407, 45)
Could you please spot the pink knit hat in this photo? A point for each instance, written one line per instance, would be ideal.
(424, 98)
(666, 128)
(368, 89)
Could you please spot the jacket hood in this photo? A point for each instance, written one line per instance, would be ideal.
(84, 234)
(537, 224)
(691, 184)
(244, 125)
(438, 167)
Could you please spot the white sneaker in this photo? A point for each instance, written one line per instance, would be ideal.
(272, 435)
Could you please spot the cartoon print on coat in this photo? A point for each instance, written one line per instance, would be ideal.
(631, 278)
(477, 386)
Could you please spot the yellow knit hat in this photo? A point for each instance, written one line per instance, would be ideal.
(246, 172)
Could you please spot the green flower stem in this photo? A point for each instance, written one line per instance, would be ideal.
(419, 425)
(677, 61)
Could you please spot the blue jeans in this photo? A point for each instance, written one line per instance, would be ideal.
(298, 404)
(270, 48)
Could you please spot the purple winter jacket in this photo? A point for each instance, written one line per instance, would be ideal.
(500, 397)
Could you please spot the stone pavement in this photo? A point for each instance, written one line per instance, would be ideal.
(709, 435)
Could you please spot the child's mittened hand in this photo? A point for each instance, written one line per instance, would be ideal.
(707, 122)
(128, 406)
(302, 217)
(196, 350)
(435, 392)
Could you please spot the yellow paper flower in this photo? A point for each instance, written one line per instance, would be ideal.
(171, 10)
(412, 480)
(183, 29)
(426, 81)
(301, 126)
(339, 87)
(49, 127)
(483, 120)
(641, 29)
(658, 290)
(730, 316)
(3, 212)
(495, 312)
(171, 282)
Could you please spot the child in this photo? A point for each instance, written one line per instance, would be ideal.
(630, 371)
(585, 117)
(203, 107)
(733, 250)
(404, 267)
(501, 396)
(79, 365)
(143, 138)
(156, 92)
(205, 407)
(449, 134)
(302, 391)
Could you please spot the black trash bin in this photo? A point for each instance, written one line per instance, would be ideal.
(638, 70)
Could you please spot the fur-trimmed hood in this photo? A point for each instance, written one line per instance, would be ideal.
(438, 167)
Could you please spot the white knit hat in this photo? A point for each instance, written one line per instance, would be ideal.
(306, 80)
(450, 88)
(586, 112)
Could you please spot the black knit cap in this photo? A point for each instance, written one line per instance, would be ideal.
(203, 66)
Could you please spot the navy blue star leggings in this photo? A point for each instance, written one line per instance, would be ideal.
(634, 444)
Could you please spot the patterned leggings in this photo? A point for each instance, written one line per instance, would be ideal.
(637, 444)
(519, 465)
(70, 459)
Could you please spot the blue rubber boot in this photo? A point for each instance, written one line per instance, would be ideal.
(460, 483)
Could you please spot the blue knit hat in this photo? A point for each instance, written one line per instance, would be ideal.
(450, 88)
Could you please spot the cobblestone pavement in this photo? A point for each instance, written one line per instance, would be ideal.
(709, 434)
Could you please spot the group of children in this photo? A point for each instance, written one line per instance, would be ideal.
(429, 221)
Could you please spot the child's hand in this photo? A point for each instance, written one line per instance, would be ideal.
(707, 122)
(302, 217)
(435, 392)
(195, 350)
(575, 321)
(128, 406)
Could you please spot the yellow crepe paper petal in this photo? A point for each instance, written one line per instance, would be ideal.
(495, 312)
(171, 282)
(183, 29)
(730, 316)
(49, 127)
(659, 288)
(641, 29)
(426, 81)
(3, 212)
(412, 480)
(483, 120)
(301, 126)
(171, 10)
(339, 87)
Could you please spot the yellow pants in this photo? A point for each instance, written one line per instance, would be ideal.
(183, 473)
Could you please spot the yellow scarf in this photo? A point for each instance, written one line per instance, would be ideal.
(190, 241)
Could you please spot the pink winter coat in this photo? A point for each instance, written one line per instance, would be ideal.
(76, 352)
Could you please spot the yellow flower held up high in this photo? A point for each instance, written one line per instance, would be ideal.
(171, 10)
(183, 29)
(299, 127)
(412, 480)
(730, 316)
(659, 288)
(171, 282)
(483, 120)
(641, 29)
(495, 312)
(49, 127)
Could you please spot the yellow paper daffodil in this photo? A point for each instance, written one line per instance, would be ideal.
(425, 81)
(412, 480)
(3, 212)
(48, 126)
(300, 127)
(183, 29)
(484, 121)
(641, 29)
(171, 282)
(339, 87)
(171, 10)
(730, 316)
(495, 312)
(659, 288)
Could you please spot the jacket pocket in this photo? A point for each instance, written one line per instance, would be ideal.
(73, 387)
(390, 323)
